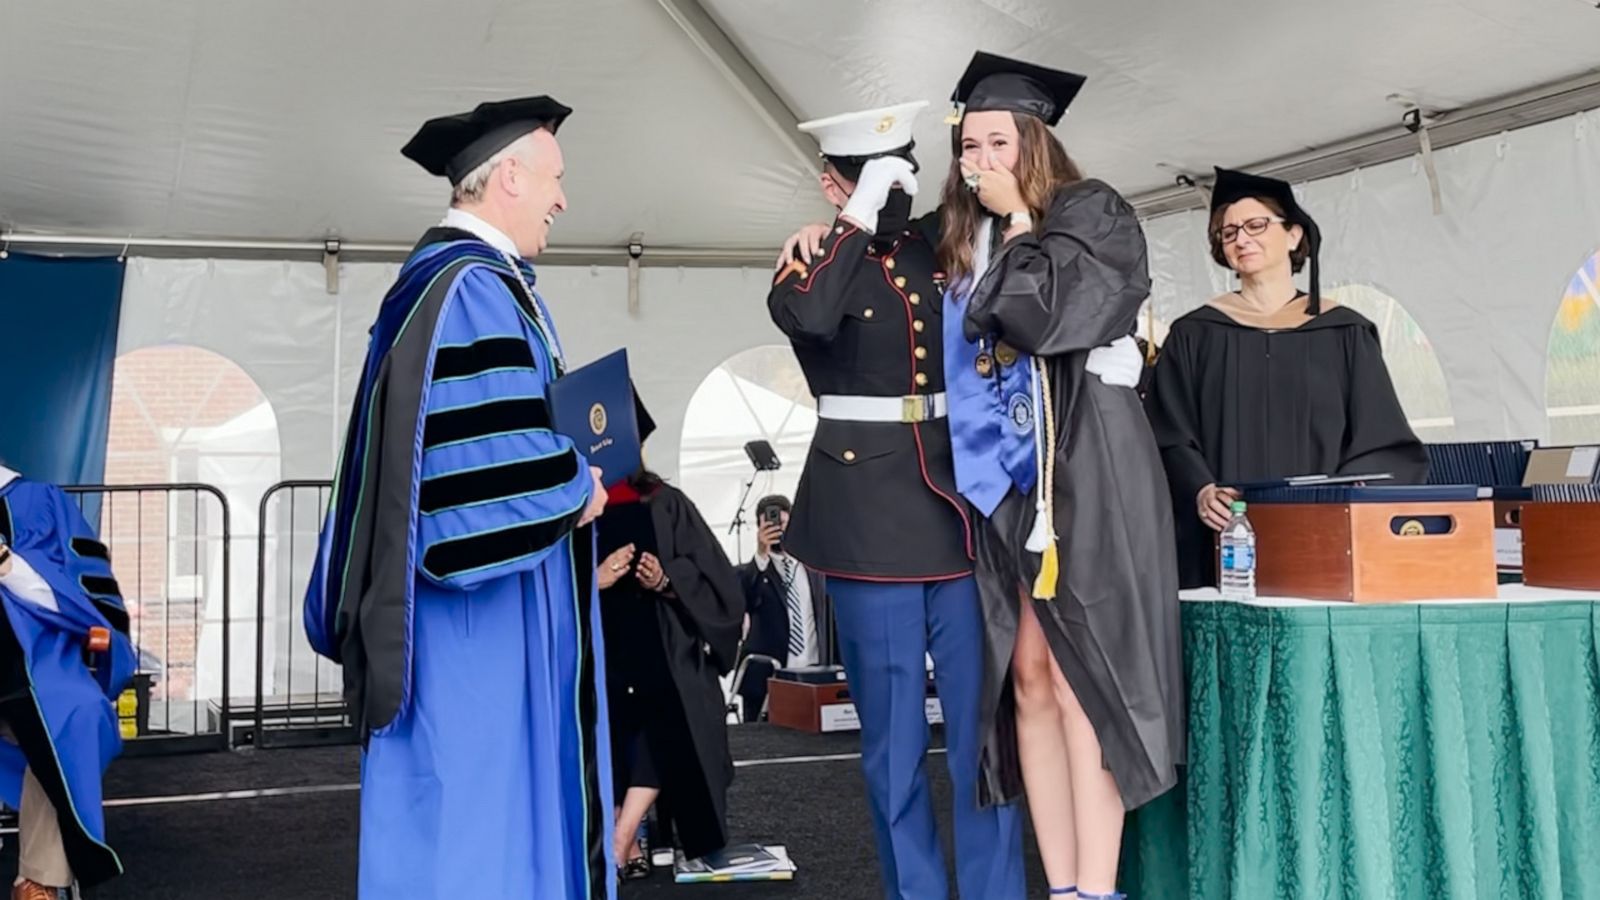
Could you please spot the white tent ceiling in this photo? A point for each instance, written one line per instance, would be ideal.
(242, 119)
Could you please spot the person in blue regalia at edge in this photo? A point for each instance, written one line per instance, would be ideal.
(64, 652)
(455, 571)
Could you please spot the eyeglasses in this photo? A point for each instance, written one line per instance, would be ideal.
(1227, 234)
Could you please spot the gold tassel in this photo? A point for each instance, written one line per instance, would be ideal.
(1044, 587)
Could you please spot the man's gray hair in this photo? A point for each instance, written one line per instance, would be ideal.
(472, 187)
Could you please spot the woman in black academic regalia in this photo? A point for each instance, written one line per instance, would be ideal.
(1269, 382)
(671, 609)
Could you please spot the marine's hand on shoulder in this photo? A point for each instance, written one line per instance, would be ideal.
(807, 242)
(597, 500)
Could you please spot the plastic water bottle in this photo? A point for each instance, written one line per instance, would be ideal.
(1238, 556)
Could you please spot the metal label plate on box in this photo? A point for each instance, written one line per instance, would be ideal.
(843, 717)
(1508, 548)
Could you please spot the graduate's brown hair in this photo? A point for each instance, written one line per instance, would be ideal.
(1297, 256)
(1043, 167)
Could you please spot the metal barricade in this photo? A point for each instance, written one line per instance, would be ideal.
(171, 553)
(299, 695)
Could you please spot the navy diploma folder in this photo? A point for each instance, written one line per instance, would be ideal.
(593, 405)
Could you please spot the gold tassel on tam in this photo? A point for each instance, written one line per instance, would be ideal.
(1044, 587)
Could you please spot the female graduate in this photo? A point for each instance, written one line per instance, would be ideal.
(1268, 382)
(1075, 559)
(671, 608)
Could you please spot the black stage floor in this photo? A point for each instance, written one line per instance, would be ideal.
(282, 823)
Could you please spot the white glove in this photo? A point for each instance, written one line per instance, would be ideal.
(878, 177)
(1118, 364)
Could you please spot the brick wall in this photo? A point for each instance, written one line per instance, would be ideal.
(159, 540)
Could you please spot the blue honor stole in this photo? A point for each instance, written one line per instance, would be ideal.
(993, 402)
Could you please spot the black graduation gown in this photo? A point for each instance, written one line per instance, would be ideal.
(1231, 402)
(698, 622)
(1113, 625)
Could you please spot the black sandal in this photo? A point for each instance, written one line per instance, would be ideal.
(637, 868)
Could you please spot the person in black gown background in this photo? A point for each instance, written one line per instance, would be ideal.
(672, 609)
(1269, 382)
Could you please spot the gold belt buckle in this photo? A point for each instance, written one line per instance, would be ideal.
(913, 409)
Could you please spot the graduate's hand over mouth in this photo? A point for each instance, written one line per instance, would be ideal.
(997, 187)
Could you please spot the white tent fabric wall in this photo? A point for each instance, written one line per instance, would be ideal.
(1484, 280)
(233, 460)
(305, 347)
(724, 413)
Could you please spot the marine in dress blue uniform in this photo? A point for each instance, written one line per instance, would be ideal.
(877, 511)
(454, 579)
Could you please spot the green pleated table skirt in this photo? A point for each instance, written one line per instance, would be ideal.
(1372, 752)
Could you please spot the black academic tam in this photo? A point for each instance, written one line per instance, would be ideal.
(994, 82)
(1232, 186)
(452, 146)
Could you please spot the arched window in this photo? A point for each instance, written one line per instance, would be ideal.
(1572, 377)
(758, 394)
(1412, 363)
(183, 414)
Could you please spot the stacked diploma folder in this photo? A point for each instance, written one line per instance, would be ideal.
(1350, 493)
(1490, 464)
(1566, 493)
(739, 862)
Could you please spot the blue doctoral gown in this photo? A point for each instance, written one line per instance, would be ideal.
(56, 701)
(454, 586)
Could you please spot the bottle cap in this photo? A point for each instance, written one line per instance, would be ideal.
(1238, 506)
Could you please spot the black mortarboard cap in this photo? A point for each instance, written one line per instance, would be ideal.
(1232, 186)
(641, 416)
(452, 146)
(996, 83)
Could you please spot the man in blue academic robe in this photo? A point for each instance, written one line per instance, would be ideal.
(64, 651)
(455, 571)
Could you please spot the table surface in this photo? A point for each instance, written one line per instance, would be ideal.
(1509, 593)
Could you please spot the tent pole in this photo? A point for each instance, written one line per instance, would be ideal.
(735, 68)
(1512, 111)
(348, 251)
